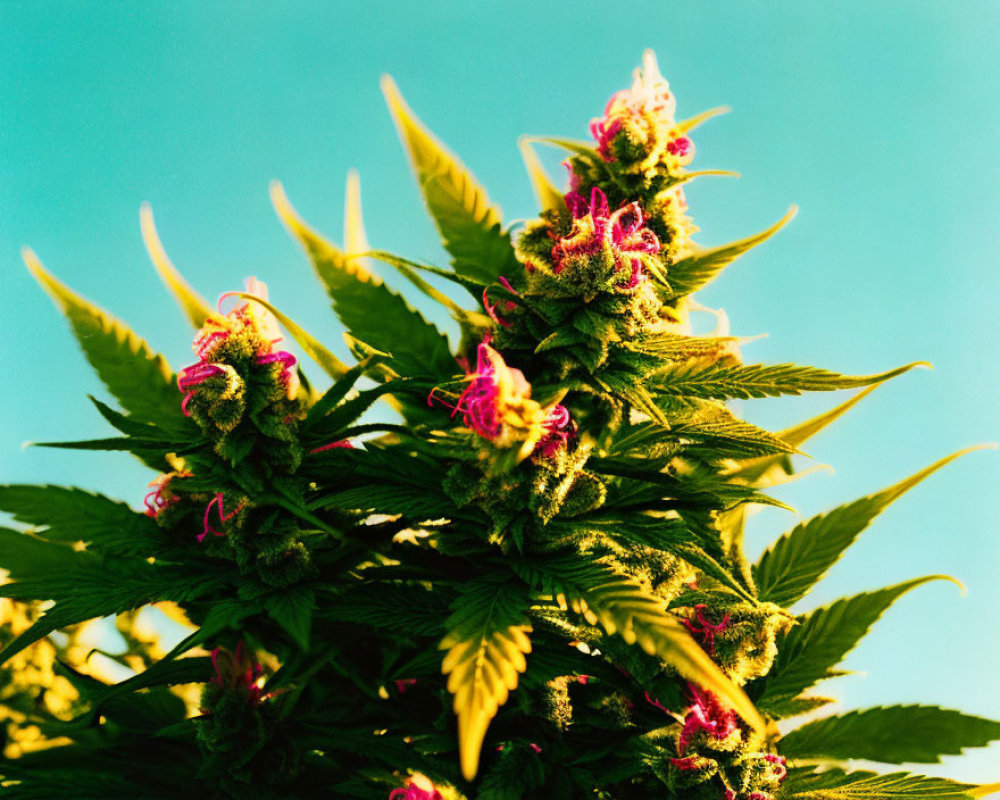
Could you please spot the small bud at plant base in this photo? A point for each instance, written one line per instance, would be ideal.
(419, 787)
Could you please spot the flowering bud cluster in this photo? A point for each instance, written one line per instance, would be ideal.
(242, 391)
(715, 750)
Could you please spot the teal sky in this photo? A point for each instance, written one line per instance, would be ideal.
(879, 120)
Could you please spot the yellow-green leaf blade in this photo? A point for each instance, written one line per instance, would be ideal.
(549, 197)
(194, 306)
(371, 311)
(140, 379)
(800, 558)
(693, 272)
(486, 647)
(468, 222)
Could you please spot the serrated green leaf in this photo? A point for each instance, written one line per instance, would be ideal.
(414, 502)
(486, 642)
(28, 557)
(370, 310)
(293, 609)
(754, 471)
(72, 515)
(813, 648)
(798, 560)
(469, 224)
(412, 610)
(100, 587)
(140, 379)
(893, 735)
(835, 784)
(720, 382)
(693, 272)
(621, 606)
(194, 306)
(712, 424)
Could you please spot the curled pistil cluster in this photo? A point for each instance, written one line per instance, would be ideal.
(238, 672)
(603, 251)
(234, 352)
(718, 759)
(638, 127)
(496, 405)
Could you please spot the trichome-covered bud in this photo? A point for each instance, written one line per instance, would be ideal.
(638, 128)
(242, 390)
(602, 251)
(741, 638)
(232, 721)
(497, 406)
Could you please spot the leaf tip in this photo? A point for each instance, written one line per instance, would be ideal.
(33, 264)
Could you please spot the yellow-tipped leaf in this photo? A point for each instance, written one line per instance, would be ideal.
(140, 379)
(194, 306)
(693, 272)
(467, 220)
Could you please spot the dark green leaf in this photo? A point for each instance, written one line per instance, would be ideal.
(897, 734)
(813, 648)
(800, 558)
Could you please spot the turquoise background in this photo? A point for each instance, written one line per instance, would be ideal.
(879, 119)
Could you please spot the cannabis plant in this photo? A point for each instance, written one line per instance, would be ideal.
(530, 583)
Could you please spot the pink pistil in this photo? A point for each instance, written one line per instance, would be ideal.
(491, 309)
(238, 672)
(343, 443)
(706, 715)
(779, 761)
(154, 501)
(605, 131)
(190, 378)
(414, 792)
(680, 146)
(478, 403)
(405, 683)
(560, 431)
(204, 344)
(288, 379)
(704, 628)
(223, 516)
(656, 703)
(535, 747)
(624, 231)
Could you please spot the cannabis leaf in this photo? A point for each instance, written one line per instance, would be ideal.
(693, 272)
(75, 515)
(371, 311)
(194, 306)
(811, 650)
(486, 642)
(720, 382)
(800, 558)
(621, 606)
(835, 784)
(469, 224)
(897, 734)
(140, 379)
